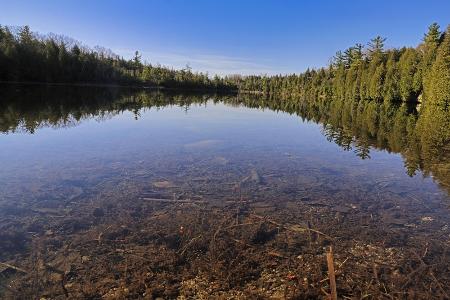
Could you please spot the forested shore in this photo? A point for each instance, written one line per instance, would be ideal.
(371, 72)
(26, 56)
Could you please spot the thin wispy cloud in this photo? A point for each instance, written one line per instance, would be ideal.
(213, 64)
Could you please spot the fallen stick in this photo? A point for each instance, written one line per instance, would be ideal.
(239, 225)
(173, 200)
(190, 243)
(128, 252)
(331, 274)
(218, 230)
(296, 226)
(100, 235)
(13, 267)
(375, 273)
(53, 269)
(325, 292)
(277, 254)
(337, 271)
(242, 243)
(439, 284)
(269, 252)
(414, 273)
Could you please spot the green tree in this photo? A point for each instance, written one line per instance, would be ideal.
(137, 63)
(437, 90)
(432, 37)
(408, 67)
(25, 35)
(391, 89)
(376, 46)
(376, 83)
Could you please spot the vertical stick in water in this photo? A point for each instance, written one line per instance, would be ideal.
(331, 274)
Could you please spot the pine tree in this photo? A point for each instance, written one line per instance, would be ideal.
(431, 43)
(376, 45)
(433, 35)
(428, 50)
(25, 35)
(137, 63)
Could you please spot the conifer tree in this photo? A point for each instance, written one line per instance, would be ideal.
(437, 91)
(376, 45)
(376, 83)
(408, 67)
(391, 89)
(428, 51)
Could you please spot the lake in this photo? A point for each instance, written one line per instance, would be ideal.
(131, 193)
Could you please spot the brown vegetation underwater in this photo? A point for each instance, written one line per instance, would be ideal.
(245, 237)
(247, 223)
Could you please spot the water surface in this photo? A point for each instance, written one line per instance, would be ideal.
(97, 157)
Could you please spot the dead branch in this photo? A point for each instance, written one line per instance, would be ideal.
(174, 200)
(13, 267)
(331, 273)
(189, 244)
(297, 227)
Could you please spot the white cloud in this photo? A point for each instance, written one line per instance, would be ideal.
(213, 64)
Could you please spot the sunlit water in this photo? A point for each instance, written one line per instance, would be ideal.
(159, 141)
(62, 158)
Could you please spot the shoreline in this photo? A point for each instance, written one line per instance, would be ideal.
(106, 85)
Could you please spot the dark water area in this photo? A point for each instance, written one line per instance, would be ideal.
(122, 193)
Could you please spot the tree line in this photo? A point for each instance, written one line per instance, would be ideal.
(371, 72)
(26, 56)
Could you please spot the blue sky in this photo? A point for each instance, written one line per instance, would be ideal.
(226, 37)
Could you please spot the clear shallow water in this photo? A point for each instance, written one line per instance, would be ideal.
(239, 136)
(79, 163)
